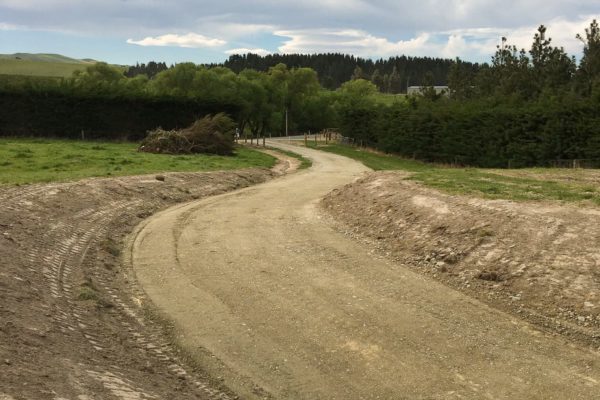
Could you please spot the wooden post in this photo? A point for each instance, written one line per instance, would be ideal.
(264, 142)
(305, 140)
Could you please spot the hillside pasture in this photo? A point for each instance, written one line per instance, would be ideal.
(39, 68)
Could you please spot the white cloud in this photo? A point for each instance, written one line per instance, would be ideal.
(348, 41)
(469, 29)
(192, 40)
(483, 41)
(260, 52)
(469, 43)
(9, 27)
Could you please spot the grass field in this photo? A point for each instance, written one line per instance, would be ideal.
(45, 57)
(477, 181)
(42, 65)
(41, 160)
(388, 99)
(39, 68)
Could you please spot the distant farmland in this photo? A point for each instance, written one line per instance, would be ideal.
(42, 65)
(39, 68)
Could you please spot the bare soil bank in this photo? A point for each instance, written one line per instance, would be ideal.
(539, 260)
(71, 324)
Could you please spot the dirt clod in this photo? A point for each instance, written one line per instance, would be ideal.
(489, 276)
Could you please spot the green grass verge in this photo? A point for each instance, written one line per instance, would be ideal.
(304, 162)
(42, 160)
(376, 161)
(471, 181)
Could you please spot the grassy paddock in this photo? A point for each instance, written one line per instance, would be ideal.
(477, 181)
(42, 160)
(39, 68)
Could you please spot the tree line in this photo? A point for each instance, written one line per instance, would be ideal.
(526, 107)
(150, 70)
(101, 102)
(392, 75)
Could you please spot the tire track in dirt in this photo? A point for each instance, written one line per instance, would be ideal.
(73, 324)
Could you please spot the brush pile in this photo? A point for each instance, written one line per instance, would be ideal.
(210, 135)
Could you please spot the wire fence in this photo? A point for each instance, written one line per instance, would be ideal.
(576, 163)
(583, 163)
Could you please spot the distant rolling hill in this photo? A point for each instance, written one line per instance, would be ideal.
(48, 65)
(45, 58)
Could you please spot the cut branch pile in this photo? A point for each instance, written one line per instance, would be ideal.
(211, 135)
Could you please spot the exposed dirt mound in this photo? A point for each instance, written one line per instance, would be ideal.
(540, 260)
(71, 321)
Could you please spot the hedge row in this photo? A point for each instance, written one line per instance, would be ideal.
(98, 117)
(473, 134)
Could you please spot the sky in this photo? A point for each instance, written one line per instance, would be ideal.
(130, 31)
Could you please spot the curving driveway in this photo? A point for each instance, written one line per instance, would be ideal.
(275, 303)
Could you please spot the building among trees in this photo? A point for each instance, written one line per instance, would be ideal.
(421, 89)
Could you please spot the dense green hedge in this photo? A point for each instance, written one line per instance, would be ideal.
(66, 115)
(480, 134)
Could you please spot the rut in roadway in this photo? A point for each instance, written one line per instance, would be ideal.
(271, 299)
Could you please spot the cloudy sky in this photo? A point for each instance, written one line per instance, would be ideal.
(127, 31)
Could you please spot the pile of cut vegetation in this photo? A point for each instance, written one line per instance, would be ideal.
(211, 135)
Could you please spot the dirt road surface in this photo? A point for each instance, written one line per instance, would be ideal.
(278, 304)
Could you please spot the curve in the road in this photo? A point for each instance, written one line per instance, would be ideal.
(277, 303)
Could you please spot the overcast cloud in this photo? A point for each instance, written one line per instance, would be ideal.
(469, 29)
